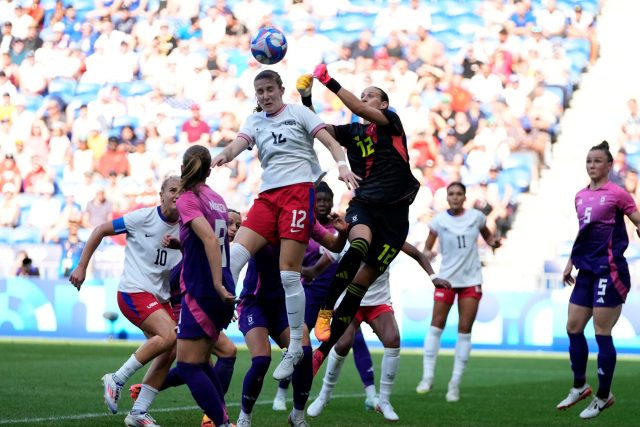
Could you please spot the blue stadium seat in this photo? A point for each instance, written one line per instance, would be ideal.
(25, 235)
(632, 147)
(84, 4)
(65, 89)
(140, 87)
(125, 88)
(122, 121)
(5, 235)
(33, 102)
(48, 5)
(558, 92)
(518, 177)
(576, 44)
(633, 160)
(84, 88)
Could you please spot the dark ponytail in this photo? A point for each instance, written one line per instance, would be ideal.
(604, 147)
(196, 164)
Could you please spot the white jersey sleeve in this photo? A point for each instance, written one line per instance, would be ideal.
(285, 145)
(458, 243)
(147, 264)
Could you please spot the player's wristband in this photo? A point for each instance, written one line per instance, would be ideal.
(433, 276)
(306, 101)
(342, 163)
(333, 85)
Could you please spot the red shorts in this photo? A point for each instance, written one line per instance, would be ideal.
(283, 213)
(368, 314)
(137, 306)
(448, 295)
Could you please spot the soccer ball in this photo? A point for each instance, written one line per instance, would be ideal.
(269, 45)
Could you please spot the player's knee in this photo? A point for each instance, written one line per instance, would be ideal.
(391, 340)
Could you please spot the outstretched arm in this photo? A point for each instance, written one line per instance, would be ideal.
(304, 84)
(100, 232)
(230, 152)
(422, 259)
(354, 104)
(337, 153)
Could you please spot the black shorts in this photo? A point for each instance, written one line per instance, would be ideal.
(389, 226)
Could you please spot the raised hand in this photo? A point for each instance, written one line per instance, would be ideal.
(304, 85)
(321, 73)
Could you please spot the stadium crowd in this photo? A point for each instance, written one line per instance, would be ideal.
(101, 98)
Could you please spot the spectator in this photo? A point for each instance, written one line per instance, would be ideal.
(32, 41)
(27, 269)
(36, 11)
(551, 20)
(362, 48)
(195, 129)
(191, 31)
(124, 20)
(9, 172)
(38, 172)
(10, 207)
(70, 212)
(581, 24)
(98, 211)
(141, 164)
(72, 248)
(6, 37)
(45, 209)
(83, 158)
(167, 41)
(451, 156)
(114, 159)
(522, 20)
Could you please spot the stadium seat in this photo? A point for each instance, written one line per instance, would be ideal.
(5, 235)
(25, 235)
(125, 88)
(576, 44)
(63, 88)
(633, 160)
(121, 121)
(558, 92)
(84, 88)
(33, 102)
(84, 4)
(140, 87)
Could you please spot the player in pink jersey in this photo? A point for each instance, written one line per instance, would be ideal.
(283, 212)
(208, 287)
(603, 279)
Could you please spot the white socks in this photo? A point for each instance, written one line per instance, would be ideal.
(334, 366)
(390, 361)
(145, 399)
(295, 301)
(239, 258)
(370, 391)
(431, 348)
(463, 349)
(122, 375)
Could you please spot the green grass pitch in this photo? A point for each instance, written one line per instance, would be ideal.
(58, 384)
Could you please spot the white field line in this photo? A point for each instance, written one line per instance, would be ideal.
(152, 411)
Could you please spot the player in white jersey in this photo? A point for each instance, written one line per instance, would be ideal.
(457, 230)
(283, 211)
(143, 294)
(377, 311)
